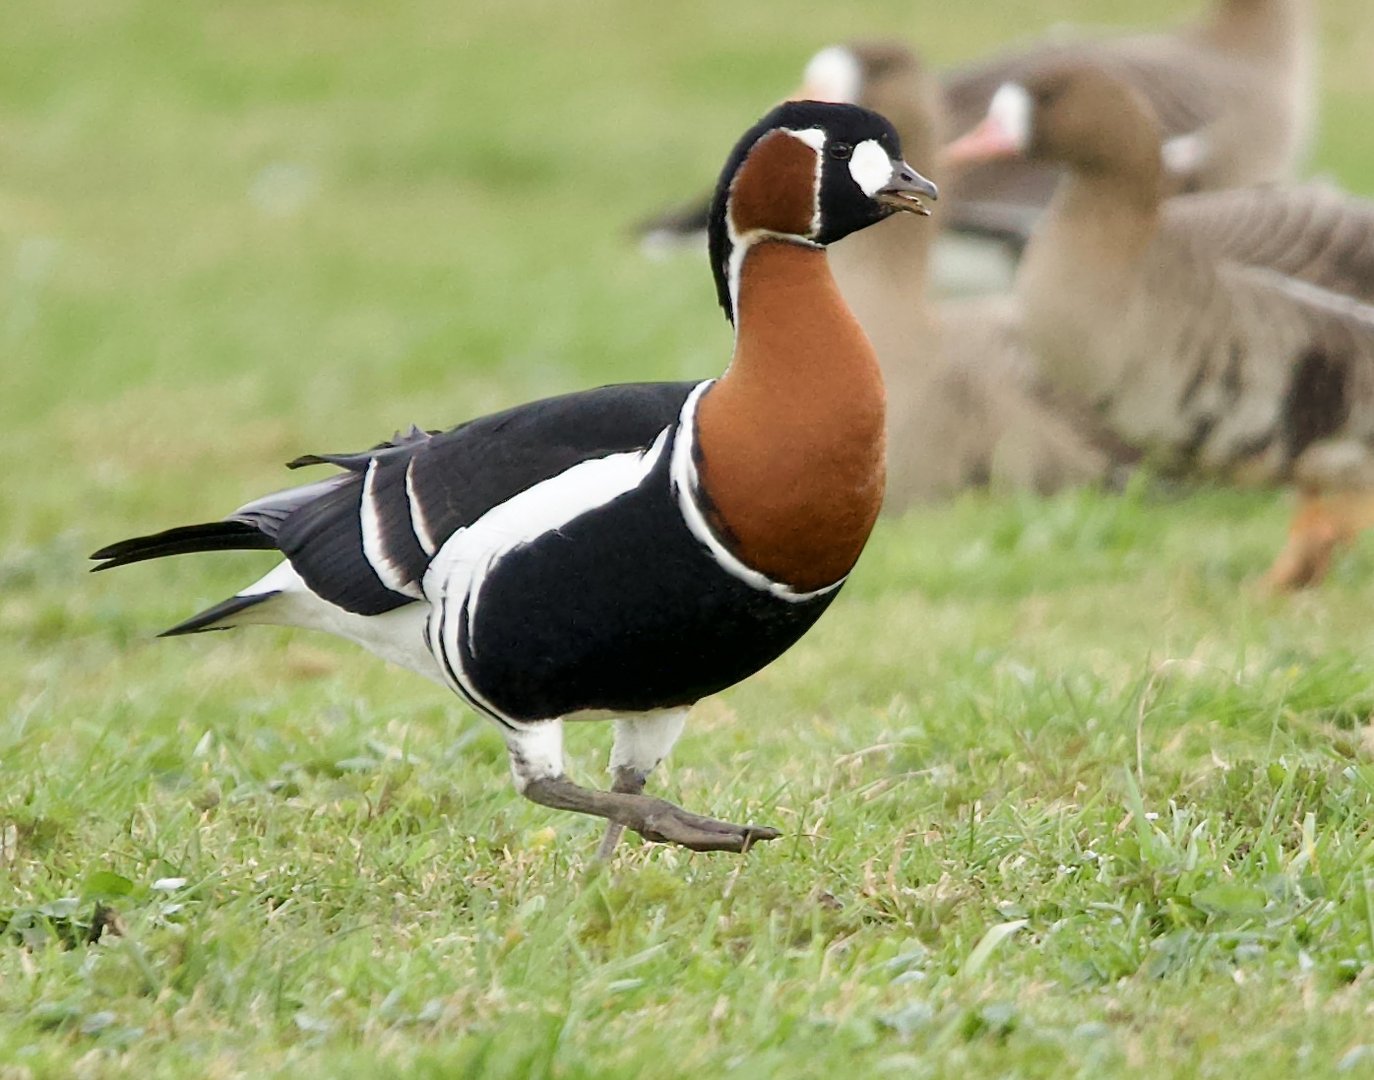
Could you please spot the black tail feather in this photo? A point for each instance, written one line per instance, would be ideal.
(212, 536)
(206, 619)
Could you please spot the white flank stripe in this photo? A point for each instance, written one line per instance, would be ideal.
(461, 567)
(419, 524)
(685, 482)
(374, 545)
(441, 630)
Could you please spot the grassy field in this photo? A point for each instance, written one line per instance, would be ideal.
(1062, 793)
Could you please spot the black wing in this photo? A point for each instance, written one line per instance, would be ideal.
(410, 495)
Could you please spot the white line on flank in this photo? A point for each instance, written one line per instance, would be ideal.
(684, 476)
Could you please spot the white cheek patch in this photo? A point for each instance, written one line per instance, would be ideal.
(1011, 110)
(871, 167)
(833, 74)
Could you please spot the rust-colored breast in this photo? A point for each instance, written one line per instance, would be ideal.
(791, 437)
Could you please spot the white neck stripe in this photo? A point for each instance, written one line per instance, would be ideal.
(741, 242)
(740, 246)
(686, 483)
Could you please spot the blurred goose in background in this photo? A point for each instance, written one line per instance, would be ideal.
(628, 550)
(1235, 91)
(965, 409)
(1210, 330)
(1313, 232)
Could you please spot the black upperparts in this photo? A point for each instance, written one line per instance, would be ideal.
(445, 482)
(423, 483)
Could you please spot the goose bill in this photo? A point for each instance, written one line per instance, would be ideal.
(906, 189)
(989, 141)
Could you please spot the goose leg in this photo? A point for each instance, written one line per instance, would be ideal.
(536, 756)
(1322, 525)
(653, 819)
(640, 744)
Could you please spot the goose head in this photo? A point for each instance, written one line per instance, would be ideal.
(1076, 116)
(888, 78)
(809, 173)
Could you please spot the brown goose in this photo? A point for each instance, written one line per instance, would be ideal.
(1218, 351)
(1313, 231)
(1237, 84)
(964, 407)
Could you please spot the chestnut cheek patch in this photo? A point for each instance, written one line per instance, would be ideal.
(775, 189)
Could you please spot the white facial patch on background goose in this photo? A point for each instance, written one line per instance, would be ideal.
(871, 167)
(1184, 155)
(1011, 109)
(833, 75)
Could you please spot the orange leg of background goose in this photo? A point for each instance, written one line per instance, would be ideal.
(1323, 524)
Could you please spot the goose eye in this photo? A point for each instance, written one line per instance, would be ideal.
(841, 151)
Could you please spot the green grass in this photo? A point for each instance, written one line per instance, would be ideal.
(1062, 794)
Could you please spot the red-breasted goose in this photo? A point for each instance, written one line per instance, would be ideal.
(1228, 357)
(628, 550)
(1236, 87)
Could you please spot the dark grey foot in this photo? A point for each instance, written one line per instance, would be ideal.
(669, 824)
(653, 819)
(628, 782)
